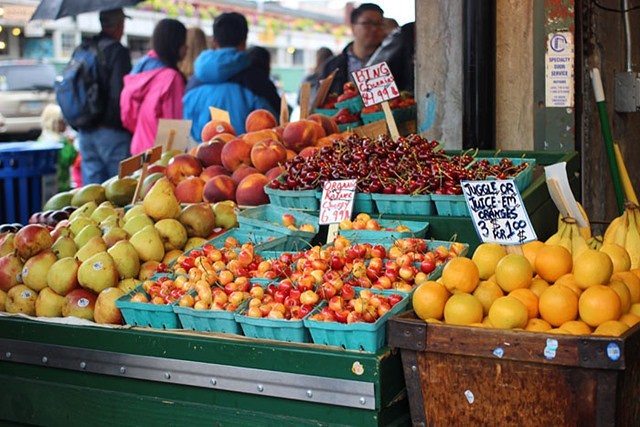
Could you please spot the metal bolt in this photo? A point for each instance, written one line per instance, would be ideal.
(44, 359)
(214, 381)
(167, 375)
(8, 354)
(123, 369)
(260, 388)
(309, 393)
(83, 365)
(363, 400)
(414, 368)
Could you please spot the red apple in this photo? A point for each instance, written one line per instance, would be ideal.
(213, 170)
(219, 188)
(181, 167)
(215, 127)
(268, 154)
(235, 153)
(260, 119)
(209, 152)
(250, 191)
(32, 239)
(190, 190)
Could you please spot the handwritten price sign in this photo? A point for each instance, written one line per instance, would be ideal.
(376, 84)
(337, 201)
(498, 212)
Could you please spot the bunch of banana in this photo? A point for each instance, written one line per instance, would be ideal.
(570, 237)
(585, 231)
(624, 231)
(595, 242)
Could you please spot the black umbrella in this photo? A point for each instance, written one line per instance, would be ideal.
(56, 9)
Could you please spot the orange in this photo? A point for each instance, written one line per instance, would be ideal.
(558, 304)
(552, 261)
(487, 292)
(592, 268)
(619, 256)
(612, 328)
(429, 299)
(537, 325)
(432, 320)
(530, 251)
(462, 309)
(513, 272)
(528, 298)
(538, 285)
(635, 309)
(508, 313)
(460, 275)
(629, 319)
(569, 281)
(486, 322)
(598, 304)
(623, 293)
(632, 281)
(558, 331)
(576, 327)
(486, 257)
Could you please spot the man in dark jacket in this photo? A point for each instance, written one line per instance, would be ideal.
(103, 146)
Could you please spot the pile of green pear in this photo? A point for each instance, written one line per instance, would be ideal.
(82, 266)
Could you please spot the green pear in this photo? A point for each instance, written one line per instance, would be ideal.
(137, 223)
(21, 299)
(127, 285)
(79, 223)
(105, 310)
(160, 202)
(168, 155)
(107, 204)
(84, 210)
(64, 247)
(3, 300)
(93, 246)
(194, 242)
(172, 233)
(148, 244)
(135, 210)
(89, 231)
(103, 212)
(62, 277)
(225, 213)
(111, 222)
(99, 272)
(49, 303)
(114, 235)
(34, 272)
(126, 258)
(6, 244)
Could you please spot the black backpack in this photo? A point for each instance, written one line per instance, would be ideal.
(79, 92)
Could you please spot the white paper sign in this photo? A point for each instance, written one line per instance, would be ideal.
(497, 212)
(337, 201)
(376, 84)
(564, 198)
(559, 82)
(180, 139)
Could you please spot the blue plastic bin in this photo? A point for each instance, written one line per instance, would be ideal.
(28, 178)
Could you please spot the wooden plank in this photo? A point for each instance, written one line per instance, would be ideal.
(413, 381)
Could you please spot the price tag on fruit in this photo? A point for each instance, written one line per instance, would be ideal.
(497, 212)
(376, 84)
(337, 201)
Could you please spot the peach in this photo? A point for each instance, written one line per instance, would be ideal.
(273, 173)
(224, 137)
(309, 151)
(280, 131)
(190, 190)
(320, 133)
(300, 134)
(181, 167)
(213, 170)
(267, 154)
(215, 127)
(235, 153)
(260, 119)
(250, 191)
(244, 170)
(327, 140)
(328, 124)
(219, 188)
(291, 154)
(209, 152)
(156, 168)
(254, 137)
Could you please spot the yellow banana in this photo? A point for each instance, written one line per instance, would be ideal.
(632, 241)
(555, 238)
(612, 229)
(618, 232)
(585, 231)
(565, 239)
(595, 242)
(578, 243)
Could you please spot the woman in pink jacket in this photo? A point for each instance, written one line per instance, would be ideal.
(154, 88)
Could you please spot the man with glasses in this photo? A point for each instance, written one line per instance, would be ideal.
(367, 27)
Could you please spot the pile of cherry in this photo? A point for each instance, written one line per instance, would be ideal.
(410, 165)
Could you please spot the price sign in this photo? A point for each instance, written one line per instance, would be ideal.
(498, 212)
(337, 201)
(376, 84)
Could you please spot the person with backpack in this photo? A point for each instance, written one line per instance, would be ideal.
(155, 87)
(89, 96)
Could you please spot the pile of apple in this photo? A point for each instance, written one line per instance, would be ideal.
(367, 307)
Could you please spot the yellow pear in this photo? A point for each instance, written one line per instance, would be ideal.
(63, 275)
(147, 269)
(172, 233)
(102, 212)
(99, 272)
(6, 244)
(95, 245)
(137, 223)
(21, 299)
(110, 222)
(64, 247)
(160, 202)
(114, 235)
(86, 234)
(34, 272)
(84, 210)
(148, 244)
(3, 300)
(194, 242)
(126, 258)
(49, 303)
(135, 210)
(105, 310)
(79, 223)
(127, 285)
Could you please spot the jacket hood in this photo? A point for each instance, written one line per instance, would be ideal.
(148, 62)
(218, 66)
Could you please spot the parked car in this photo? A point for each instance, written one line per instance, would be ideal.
(26, 87)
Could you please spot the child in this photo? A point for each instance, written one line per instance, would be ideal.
(53, 130)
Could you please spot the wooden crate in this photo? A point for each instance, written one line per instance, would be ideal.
(474, 376)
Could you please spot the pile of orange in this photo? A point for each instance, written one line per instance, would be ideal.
(544, 289)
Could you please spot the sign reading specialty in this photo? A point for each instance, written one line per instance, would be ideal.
(337, 201)
(497, 212)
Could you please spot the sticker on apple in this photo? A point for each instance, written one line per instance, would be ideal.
(97, 266)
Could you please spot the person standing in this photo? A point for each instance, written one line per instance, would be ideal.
(155, 87)
(224, 78)
(106, 143)
(196, 43)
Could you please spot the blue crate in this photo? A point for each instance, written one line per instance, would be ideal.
(272, 329)
(417, 229)
(450, 205)
(147, 314)
(403, 204)
(28, 178)
(296, 199)
(363, 202)
(269, 217)
(208, 320)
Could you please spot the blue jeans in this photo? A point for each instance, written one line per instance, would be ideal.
(102, 149)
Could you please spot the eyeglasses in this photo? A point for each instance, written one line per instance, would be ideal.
(369, 24)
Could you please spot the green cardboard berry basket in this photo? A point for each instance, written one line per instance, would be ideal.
(342, 127)
(354, 104)
(269, 217)
(296, 199)
(271, 329)
(450, 204)
(416, 229)
(329, 112)
(523, 178)
(266, 241)
(147, 314)
(404, 204)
